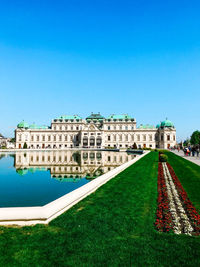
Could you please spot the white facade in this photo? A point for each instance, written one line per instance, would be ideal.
(116, 131)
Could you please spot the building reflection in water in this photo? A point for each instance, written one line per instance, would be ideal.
(70, 165)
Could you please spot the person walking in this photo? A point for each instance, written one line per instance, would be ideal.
(193, 151)
(197, 150)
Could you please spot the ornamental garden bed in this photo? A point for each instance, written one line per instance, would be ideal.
(175, 211)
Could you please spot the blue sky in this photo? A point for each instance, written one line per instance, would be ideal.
(75, 57)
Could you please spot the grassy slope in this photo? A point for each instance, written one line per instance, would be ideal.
(189, 176)
(112, 227)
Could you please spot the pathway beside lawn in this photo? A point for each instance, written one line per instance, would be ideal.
(194, 159)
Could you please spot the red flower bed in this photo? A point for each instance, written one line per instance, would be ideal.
(188, 206)
(163, 216)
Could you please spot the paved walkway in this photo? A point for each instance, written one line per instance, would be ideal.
(195, 159)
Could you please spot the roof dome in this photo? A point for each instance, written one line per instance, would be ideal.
(158, 126)
(23, 124)
(33, 126)
(22, 171)
(95, 116)
(167, 123)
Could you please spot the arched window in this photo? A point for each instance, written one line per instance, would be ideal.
(85, 141)
(92, 141)
(99, 141)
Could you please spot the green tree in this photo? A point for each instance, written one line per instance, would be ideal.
(195, 138)
(25, 145)
(134, 146)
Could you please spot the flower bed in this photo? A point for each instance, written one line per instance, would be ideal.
(175, 211)
(188, 206)
(163, 221)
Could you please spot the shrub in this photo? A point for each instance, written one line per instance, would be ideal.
(25, 145)
(163, 158)
(134, 146)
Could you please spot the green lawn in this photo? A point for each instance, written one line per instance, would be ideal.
(112, 227)
(189, 176)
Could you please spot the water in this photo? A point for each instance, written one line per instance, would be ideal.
(35, 178)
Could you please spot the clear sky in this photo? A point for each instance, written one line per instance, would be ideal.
(109, 56)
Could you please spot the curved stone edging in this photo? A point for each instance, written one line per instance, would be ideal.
(34, 215)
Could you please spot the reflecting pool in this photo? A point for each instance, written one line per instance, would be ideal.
(35, 178)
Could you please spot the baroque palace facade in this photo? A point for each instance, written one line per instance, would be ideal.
(96, 131)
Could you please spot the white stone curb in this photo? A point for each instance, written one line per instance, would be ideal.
(44, 214)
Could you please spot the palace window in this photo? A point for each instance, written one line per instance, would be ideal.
(65, 137)
(168, 138)
(144, 137)
(60, 138)
(49, 138)
(126, 127)
(99, 141)
(77, 128)
(138, 137)
(43, 138)
(132, 137)
(60, 128)
(150, 137)
(66, 127)
(109, 138)
(38, 137)
(108, 127)
(126, 137)
(20, 137)
(54, 137)
(174, 138)
(32, 138)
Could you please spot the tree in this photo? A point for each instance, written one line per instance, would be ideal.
(25, 145)
(195, 138)
(134, 146)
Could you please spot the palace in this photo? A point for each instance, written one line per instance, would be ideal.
(96, 131)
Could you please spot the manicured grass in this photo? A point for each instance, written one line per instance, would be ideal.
(112, 227)
(189, 176)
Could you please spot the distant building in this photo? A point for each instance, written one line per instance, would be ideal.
(6, 142)
(96, 131)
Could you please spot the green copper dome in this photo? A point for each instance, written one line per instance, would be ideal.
(22, 171)
(22, 124)
(167, 123)
(158, 126)
(94, 116)
(33, 126)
